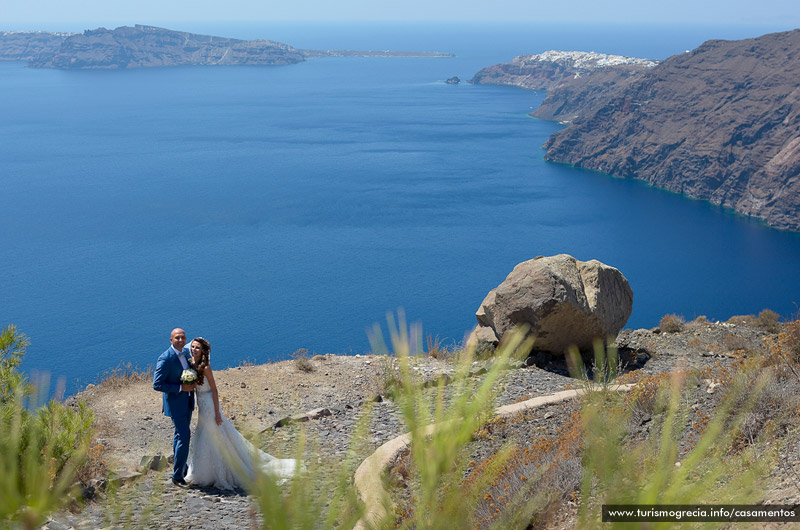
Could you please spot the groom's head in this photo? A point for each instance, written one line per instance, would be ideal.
(178, 339)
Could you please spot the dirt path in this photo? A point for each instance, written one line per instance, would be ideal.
(131, 425)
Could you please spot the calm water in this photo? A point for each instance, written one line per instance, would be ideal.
(274, 208)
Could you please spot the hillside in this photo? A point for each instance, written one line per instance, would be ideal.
(130, 424)
(28, 45)
(149, 46)
(143, 46)
(719, 123)
(575, 81)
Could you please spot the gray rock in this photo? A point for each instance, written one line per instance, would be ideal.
(305, 416)
(566, 302)
(155, 462)
(124, 476)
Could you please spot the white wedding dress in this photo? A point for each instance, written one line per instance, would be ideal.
(219, 456)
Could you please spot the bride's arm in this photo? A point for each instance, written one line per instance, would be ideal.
(214, 394)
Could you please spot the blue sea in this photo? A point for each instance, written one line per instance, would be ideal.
(275, 208)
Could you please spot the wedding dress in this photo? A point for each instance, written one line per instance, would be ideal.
(221, 457)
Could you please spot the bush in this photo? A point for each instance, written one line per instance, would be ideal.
(41, 447)
(435, 348)
(785, 347)
(544, 473)
(440, 432)
(671, 323)
(776, 408)
(12, 349)
(646, 397)
(125, 374)
(743, 320)
(619, 470)
(768, 320)
(40, 453)
(735, 343)
(302, 361)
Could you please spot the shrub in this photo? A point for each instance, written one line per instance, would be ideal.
(743, 320)
(12, 349)
(302, 361)
(618, 470)
(768, 320)
(435, 348)
(125, 374)
(543, 473)
(41, 447)
(65, 430)
(39, 455)
(700, 322)
(775, 409)
(671, 323)
(439, 431)
(647, 396)
(784, 348)
(387, 376)
(735, 343)
(95, 465)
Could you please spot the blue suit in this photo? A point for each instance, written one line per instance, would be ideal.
(176, 404)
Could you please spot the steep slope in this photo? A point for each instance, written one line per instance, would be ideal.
(720, 123)
(576, 81)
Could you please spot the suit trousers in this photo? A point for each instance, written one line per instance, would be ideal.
(180, 443)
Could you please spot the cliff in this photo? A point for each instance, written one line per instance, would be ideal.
(575, 81)
(27, 45)
(720, 123)
(147, 46)
(143, 46)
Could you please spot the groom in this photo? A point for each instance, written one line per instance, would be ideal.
(178, 399)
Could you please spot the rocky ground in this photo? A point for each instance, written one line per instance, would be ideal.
(256, 398)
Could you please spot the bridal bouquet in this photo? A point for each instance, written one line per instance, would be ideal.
(188, 376)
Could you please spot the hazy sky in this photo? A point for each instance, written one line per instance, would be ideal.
(119, 12)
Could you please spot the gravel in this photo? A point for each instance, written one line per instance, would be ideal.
(255, 398)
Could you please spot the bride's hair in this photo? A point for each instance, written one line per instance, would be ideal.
(201, 365)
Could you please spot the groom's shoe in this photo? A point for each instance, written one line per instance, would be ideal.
(180, 483)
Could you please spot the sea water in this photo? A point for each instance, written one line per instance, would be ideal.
(270, 209)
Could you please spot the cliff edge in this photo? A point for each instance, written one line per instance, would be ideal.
(720, 123)
(575, 81)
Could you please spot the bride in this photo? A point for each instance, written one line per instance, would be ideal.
(219, 455)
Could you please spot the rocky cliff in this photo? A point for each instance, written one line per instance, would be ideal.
(575, 81)
(146, 46)
(720, 123)
(27, 45)
(143, 46)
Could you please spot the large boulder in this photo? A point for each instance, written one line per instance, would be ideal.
(565, 302)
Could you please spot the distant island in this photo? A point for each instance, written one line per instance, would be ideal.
(149, 46)
(27, 45)
(720, 123)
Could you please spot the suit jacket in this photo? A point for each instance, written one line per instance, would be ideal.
(167, 379)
